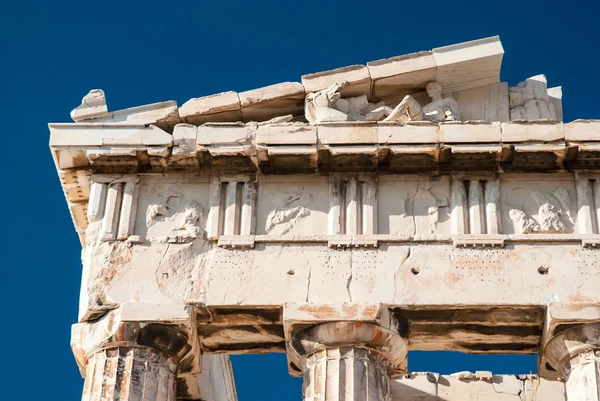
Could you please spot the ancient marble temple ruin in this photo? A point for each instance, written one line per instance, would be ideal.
(412, 203)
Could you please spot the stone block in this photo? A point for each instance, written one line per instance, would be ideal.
(479, 60)
(533, 131)
(583, 131)
(92, 105)
(223, 106)
(389, 133)
(426, 386)
(224, 133)
(271, 101)
(286, 134)
(148, 312)
(165, 115)
(398, 76)
(555, 98)
(185, 137)
(347, 133)
(489, 103)
(357, 76)
(469, 132)
(89, 134)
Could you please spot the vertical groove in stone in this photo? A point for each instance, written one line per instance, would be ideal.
(581, 382)
(336, 203)
(476, 206)
(352, 207)
(585, 206)
(112, 211)
(493, 222)
(248, 217)
(87, 385)
(97, 201)
(596, 206)
(332, 382)
(97, 376)
(458, 206)
(129, 374)
(128, 210)
(231, 209)
(369, 207)
(309, 379)
(346, 374)
(109, 379)
(360, 374)
(320, 375)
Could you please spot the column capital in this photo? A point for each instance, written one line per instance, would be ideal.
(174, 337)
(569, 344)
(313, 328)
(388, 343)
(568, 331)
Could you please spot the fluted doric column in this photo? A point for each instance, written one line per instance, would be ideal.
(346, 373)
(131, 360)
(575, 354)
(129, 373)
(348, 361)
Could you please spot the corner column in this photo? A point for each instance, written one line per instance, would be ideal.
(575, 354)
(131, 360)
(129, 373)
(347, 360)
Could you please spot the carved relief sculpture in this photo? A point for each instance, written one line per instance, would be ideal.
(328, 106)
(440, 109)
(185, 220)
(552, 208)
(372, 239)
(529, 100)
(288, 210)
(424, 207)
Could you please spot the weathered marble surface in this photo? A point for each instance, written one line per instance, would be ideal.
(480, 385)
(424, 205)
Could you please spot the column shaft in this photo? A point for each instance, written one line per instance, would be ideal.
(346, 374)
(129, 374)
(583, 377)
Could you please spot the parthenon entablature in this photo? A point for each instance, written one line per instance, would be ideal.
(412, 203)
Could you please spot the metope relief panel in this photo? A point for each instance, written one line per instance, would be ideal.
(538, 204)
(232, 206)
(352, 204)
(292, 205)
(413, 205)
(112, 207)
(172, 208)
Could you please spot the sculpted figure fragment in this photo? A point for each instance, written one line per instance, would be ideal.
(289, 209)
(529, 100)
(185, 220)
(552, 208)
(440, 109)
(327, 106)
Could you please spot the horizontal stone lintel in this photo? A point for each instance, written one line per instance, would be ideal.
(75, 144)
(296, 148)
(327, 134)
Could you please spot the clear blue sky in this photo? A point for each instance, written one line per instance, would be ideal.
(141, 52)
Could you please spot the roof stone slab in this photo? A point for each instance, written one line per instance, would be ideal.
(457, 68)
